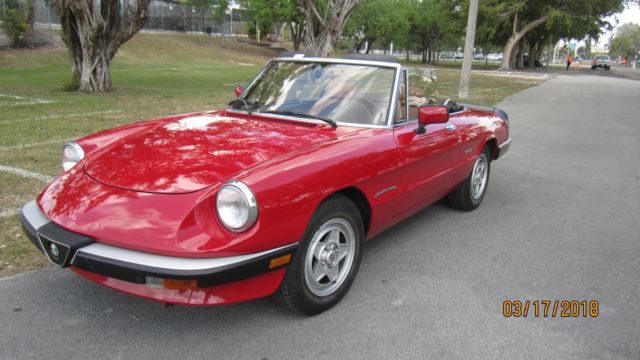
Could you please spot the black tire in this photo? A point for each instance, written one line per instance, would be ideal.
(462, 198)
(294, 291)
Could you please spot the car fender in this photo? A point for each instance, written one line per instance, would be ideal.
(289, 189)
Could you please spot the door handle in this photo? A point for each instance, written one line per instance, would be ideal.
(450, 126)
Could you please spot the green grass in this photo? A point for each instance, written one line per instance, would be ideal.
(153, 75)
(483, 89)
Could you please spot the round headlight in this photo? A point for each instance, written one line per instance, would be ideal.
(71, 155)
(237, 207)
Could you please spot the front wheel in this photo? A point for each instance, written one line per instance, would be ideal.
(328, 260)
(470, 193)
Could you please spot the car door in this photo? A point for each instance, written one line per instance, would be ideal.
(428, 162)
(429, 158)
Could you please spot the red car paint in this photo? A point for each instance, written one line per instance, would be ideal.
(243, 290)
(151, 186)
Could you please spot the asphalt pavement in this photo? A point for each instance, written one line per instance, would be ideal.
(560, 221)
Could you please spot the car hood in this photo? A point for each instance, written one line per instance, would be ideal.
(200, 150)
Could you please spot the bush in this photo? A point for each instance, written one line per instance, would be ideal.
(264, 30)
(15, 25)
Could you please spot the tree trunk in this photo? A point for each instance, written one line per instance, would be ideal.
(520, 55)
(512, 57)
(370, 42)
(359, 44)
(93, 32)
(321, 45)
(532, 52)
(324, 30)
(95, 75)
(515, 38)
(538, 48)
(296, 36)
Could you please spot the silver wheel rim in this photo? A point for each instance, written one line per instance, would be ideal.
(479, 176)
(330, 257)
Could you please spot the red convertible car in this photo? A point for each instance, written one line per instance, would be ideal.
(274, 195)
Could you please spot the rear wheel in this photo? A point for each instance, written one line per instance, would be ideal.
(470, 193)
(329, 257)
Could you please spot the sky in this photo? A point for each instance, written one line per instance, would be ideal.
(631, 14)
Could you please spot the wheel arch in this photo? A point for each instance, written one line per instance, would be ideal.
(360, 200)
(492, 144)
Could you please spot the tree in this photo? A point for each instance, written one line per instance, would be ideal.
(433, 23)
(381, 21)
(626, 42)
(15, 25)
(523, 16)
(94, 31)
(324, 21)
(284, 12)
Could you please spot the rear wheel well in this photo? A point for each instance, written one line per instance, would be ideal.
(360, 200)
(492, 144)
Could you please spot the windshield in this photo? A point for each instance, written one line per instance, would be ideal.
(346, 93)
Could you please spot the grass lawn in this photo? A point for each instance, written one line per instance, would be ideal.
(153, 75)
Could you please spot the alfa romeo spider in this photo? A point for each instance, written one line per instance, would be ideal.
(274, 195)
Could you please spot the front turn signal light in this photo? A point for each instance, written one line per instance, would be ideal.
(279, 261)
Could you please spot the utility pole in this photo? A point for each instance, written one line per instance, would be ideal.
(465, 75)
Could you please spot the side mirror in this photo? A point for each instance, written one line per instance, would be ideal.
(239, 90)
(433, 114)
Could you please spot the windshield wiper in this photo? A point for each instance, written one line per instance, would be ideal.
(246, 105)
(293, 113)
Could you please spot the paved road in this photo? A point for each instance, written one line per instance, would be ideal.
(560, 221)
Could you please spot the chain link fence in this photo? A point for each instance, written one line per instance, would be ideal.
(167, 15)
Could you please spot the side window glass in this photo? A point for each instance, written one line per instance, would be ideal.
(421, 90)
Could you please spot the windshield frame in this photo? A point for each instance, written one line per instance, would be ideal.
(392, 102)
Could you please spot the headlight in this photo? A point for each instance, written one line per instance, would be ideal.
(71, 155)
(237, 207)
